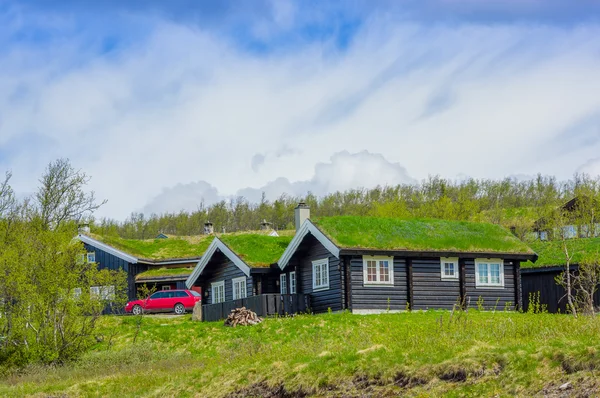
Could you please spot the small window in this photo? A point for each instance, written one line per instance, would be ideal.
(293, 282)
(77, 292)
(167, 287)
(378, 270)
(282, 284)
(489, 273)
(107, 293)
(239, 288)
(218, 292)
(91, 257)
(321, 274)
(449, 267)
(95, 291)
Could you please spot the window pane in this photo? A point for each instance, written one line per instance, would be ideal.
(324, 275)
(449, 269)
(384, 271)
(495, 273)
(371, 271)
(483, 273)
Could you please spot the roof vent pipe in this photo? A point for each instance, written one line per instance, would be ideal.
(301, 214)
(83, 229)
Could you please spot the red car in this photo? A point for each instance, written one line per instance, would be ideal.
(165, 301)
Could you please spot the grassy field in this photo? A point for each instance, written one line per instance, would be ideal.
(415, 354)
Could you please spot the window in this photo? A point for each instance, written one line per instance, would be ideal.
(95, 291)
(449, 267)
(158, 295)
(282, 284)
(107, 292)
(91, 257)
(489, 272)
(293, 282)
(180, 294)
(378, 270)
(239, 288)
(218, 292)
(321, 274)
(77, 292)
(167, 287)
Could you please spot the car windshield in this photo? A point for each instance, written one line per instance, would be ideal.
(195, 293)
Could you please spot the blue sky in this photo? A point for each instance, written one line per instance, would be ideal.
(166, 104)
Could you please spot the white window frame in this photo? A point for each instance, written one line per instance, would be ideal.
(378, 281)
(213, 288)
(166, 287)
(489, 284)
(95, 291)
(91, 255)
(76, 293)
(107, 292)
(241, 292)
(282, 284)
(447, 260)
(293, 282)
(321, 264)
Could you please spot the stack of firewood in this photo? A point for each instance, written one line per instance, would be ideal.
(242, 316)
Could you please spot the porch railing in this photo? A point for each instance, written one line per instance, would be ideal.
(263, 305)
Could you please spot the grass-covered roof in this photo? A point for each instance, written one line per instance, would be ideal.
(175, 247)
(419, 235)
(164, 272)
(551, 253)
(257, 250)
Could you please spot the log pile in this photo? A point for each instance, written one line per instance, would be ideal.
(242, 316)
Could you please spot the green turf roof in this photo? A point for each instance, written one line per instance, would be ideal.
(551, 253)
(159, 272)
(257, 250)
(175, 247)
(419, 235)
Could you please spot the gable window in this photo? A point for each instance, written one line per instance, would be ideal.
(91, 257)
(166, 287)
(282, 284)
(378, 270)
(239, 288)
(293, 282)
(449, 267)
(320, 274)
(218, 292)
(489, 272)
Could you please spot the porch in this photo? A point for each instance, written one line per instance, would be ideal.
(263, 305)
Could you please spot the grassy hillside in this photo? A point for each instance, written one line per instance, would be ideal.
(413, 354)
(419, 234)
(552, 253)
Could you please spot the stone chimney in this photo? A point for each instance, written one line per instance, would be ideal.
(301, 214)
(208, 228)
(83, 229)
(265, 225)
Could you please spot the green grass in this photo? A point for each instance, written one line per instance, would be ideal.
(164, 272)
(411, 354)
(257, 250)
(160, 249)
(419, 234)
(551, 252)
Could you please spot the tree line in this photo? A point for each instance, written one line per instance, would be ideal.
(508, 202)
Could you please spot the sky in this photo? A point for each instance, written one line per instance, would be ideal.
(170, 104)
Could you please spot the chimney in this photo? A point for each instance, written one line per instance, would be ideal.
(265, 225)
(208, 228)
(301, 214)
(83, 229)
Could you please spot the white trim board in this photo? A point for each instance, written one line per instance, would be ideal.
(212, 248)
(306, 228)
(108, 249)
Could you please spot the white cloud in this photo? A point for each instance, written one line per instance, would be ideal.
(185, 105)
(343, 171)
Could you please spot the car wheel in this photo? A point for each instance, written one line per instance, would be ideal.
(137, 309)
(179, 309)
